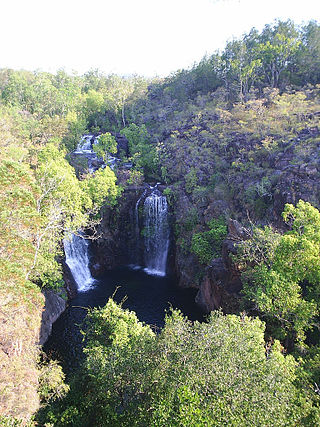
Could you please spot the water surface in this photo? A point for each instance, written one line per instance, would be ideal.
(149, 296)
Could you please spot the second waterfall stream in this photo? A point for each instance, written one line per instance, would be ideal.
(77, 259)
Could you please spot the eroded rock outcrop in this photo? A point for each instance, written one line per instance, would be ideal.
(221, 284)
(54, 306)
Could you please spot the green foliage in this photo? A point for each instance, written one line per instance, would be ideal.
(208, 244)
(142, 151)
(170, 195)
(61, 206)
(7, 421)
(187, 375)
(135, 177)
(191, 180)
(101, 188)
(64, 205)
(282, 272)
(77, 125)
(106, 144)
(40, 200)
(51, 382)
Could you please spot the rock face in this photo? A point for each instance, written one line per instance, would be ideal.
(186, 266)
(54, 307)
(117, 233)
(56, 303)
(216, 290)
(70, 284)
(123, 146)
(218, 284)
(221, 284)
(259, 197)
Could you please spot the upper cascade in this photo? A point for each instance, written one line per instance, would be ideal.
(85, 148)
(86, 143)
(156, 232)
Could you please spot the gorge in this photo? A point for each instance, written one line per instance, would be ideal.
(143, 284)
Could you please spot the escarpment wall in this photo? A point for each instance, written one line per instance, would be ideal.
(218, 283)
(116, 243)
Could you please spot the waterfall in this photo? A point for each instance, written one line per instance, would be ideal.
(85, 149)
(77, 259)
(85, 144)
(156, 233)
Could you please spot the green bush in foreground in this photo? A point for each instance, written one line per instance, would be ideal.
(203, 374)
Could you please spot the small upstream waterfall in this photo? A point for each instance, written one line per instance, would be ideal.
(85, 149)
(156, 233)
(77, 259)
(86, 143)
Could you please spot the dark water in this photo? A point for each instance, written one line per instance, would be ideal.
(149, 296)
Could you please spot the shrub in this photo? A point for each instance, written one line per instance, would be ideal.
(191, 180)
(208, 244)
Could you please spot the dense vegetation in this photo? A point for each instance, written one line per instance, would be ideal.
(41, 202)
(213, 374)
(235, 136)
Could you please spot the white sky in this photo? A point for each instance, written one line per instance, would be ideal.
(147, 37)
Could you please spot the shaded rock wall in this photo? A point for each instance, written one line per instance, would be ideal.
(117, 236)
(221, 284)
(54, 306)
(56, 303)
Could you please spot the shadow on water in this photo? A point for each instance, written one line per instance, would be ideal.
(149, 296)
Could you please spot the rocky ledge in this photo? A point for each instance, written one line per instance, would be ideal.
(54, 306)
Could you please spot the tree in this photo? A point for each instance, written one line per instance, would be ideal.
(213, 373)
(143, 152)
(282, 272)
(94, 107)
(102, 188)
(276, 50)
(239, 68)
(309, 54)
(106, 144)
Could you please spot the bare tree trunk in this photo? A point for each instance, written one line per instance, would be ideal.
(123, 116)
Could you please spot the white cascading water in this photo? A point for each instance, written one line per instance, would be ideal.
(85, 148)
(85, 144)
(77, 259)
(156, 233)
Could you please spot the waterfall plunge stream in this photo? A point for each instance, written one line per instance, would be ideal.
(77, 259)
(156, 233)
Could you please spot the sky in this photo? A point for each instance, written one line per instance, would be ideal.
(145, 37)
